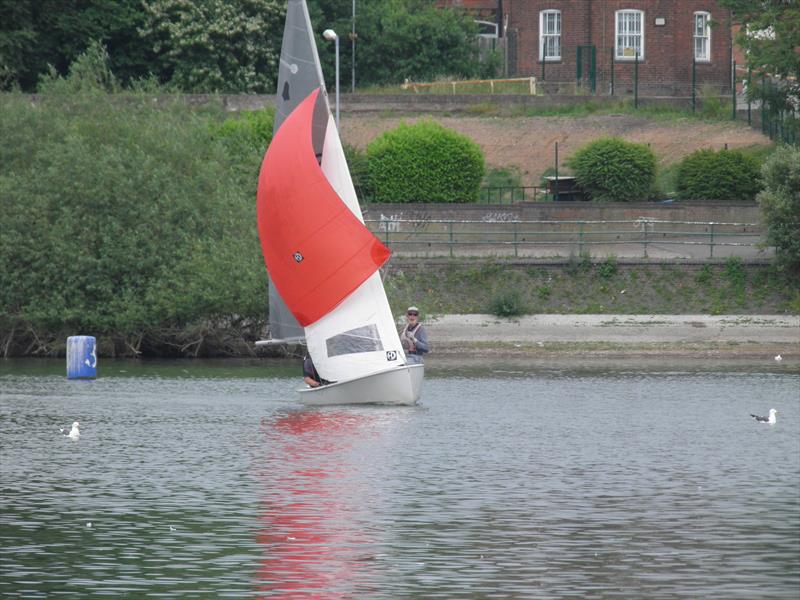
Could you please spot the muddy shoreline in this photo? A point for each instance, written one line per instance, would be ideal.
(647, 338)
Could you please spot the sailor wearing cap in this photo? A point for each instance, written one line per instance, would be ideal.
(414, 338)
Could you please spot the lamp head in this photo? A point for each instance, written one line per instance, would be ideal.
(329, 34)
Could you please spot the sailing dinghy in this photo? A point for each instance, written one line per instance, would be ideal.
(323, 262)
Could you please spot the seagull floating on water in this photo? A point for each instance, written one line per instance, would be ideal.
(74, 433)
(770, 419)
(778, 358)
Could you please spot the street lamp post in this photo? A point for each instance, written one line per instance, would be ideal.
(330, 35)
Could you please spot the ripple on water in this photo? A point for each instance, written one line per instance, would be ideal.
(528, 485)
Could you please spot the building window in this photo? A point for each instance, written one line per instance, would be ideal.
(550, 35)
(629, 34)
(702, 36)
(487, 29)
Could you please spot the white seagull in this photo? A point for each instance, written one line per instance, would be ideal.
(778, 358)
(771, 420)
(74, 433)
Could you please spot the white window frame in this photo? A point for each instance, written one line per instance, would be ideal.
(628, 15)
(545, 37)
(702, 37)
(488, 25)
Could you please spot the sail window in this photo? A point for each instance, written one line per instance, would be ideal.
(360, 339)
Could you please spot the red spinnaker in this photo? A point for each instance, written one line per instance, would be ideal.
(316, 250)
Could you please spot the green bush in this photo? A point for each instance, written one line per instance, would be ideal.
(503, 177)
(507, 303)
(780, 203)
(608, 268)
(123, 219)
(424, 162)
(718, 175)
(357, 162)
(613, 170)
(250, 130)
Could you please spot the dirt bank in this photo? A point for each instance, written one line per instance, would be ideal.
(653, 337)
(528, 142)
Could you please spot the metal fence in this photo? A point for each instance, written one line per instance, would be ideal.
(513, 194)
(644, 237)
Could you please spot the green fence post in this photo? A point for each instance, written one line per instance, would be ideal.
(636, 81)
(516, 227)
(644, 241)
(733, 90)
(763, 101)
(612, 71)
(580, 238)
(555, 196)
(593, 70)
(694, 85)
(450, 233)
(749, 94)
(711, 242)
(579, 65)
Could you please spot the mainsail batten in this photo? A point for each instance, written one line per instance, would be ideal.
(316, 250)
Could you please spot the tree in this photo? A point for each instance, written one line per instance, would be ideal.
(230, 46)
(38, 34)
(397, 40)
(124, 218)
(770, 37)
(780, 203)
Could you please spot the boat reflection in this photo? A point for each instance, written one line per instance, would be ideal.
(315, 493)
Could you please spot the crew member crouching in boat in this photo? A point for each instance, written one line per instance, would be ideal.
(310, 375)
(414, 338)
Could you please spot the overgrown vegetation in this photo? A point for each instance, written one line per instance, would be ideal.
(585, 287)
(718, 175)
(780, 203)
(125, 220)
(424, 162)
(614, 170)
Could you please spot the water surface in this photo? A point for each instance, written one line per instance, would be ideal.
(200, 479)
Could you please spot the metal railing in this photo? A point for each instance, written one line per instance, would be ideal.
(512, 194)
(501, 234)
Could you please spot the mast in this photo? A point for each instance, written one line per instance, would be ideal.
(299, 72)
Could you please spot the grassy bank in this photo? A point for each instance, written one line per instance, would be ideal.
(580, 286)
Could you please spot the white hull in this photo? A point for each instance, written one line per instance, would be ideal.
(397, 386)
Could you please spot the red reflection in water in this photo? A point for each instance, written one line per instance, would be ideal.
(312, 546)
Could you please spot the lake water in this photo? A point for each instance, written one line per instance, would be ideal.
(197, 479)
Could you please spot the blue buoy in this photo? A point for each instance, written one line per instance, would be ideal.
(81, 357)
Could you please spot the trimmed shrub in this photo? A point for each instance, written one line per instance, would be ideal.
(424, 162)
(613, 170)
(780, 203)
(718, 175)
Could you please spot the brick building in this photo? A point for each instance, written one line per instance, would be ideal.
(546, 37)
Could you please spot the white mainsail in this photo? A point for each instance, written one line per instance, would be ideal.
(365, 312)
(349, 331)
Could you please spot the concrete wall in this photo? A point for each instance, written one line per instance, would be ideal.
(432, 103)
(567, 211)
